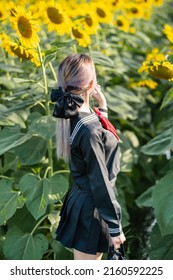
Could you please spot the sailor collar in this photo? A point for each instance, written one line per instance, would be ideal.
(85, 120)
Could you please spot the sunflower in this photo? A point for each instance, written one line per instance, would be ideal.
(11, 6)
(116, 4)
(14, 49)
(89, 21)
(143, 83)
(75, 9)
(34, 7)
(157, 66)
(25, 27)
(84, 13)
(56, 17)
(122, 23)
(168, 31)
(102, 11)
(80, 34)
(3, 12)
(162, 71)
(134, 10)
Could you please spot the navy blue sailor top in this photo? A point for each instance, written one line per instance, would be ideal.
(94, 165)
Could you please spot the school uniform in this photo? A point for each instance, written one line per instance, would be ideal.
(91, 214)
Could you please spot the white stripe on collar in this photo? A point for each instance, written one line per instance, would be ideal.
(79, 124)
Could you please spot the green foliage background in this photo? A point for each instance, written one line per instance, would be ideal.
(33, 183)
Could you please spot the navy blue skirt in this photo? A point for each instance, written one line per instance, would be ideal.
(81, 226)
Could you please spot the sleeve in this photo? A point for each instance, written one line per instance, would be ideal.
(103, 192)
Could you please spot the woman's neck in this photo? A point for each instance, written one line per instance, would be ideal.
(84, 108)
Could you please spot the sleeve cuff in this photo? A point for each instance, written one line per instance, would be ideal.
(104, 112)
(115, 231)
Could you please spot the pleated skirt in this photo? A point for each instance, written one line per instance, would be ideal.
(81, 226)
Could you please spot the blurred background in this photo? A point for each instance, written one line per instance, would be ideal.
(131, 43)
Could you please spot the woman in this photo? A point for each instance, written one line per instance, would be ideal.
(91, 216)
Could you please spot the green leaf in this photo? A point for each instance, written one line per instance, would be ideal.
(129, 154)
(124, 110)
(24, 246)
(131, 136)
(10, 161)
(9, 200)
(131, 62)
(55, 46)
(60, 44)
(33, 117)
(61, 252)
(101, 59)
(59, 185)
(170, 58)
(36, 193)
(32, 151)
(10, 118)
(122, 201)
(43, 126)
(145, 199)
(21, 80)
(27, 183)
(119, 100)
(127, 160)
(159, 144)
(23, 220)
(11, 137)
(163, 204)
(49, 58)
(119, 92)
(22, 104)
(144, 37)
(10, 68)
(168, 99)
(160, 247)
(2, 239)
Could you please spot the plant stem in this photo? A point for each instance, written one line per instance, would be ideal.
(53, 71)
(47, 171)
(74, 45)
(47, 109)
(39, 222)
(63, 171)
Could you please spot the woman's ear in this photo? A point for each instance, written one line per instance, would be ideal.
(91, 84)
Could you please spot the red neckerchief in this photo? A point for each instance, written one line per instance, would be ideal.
(106, 123)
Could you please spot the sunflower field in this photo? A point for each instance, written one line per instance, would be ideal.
(131, 43)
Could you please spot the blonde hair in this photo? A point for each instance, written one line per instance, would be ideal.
(75, 70)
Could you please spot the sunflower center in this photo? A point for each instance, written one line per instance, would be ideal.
(76, 33)
(24, 27)
(134, 10)
(54, 15)
(17, 51)
(1, 14)
(119, 22)
(101, 13)
(114, 2)
(89, 21)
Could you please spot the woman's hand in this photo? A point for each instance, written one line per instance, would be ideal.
(99, 97)
(117, 240)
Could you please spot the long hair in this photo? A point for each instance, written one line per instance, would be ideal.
(75, 70)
